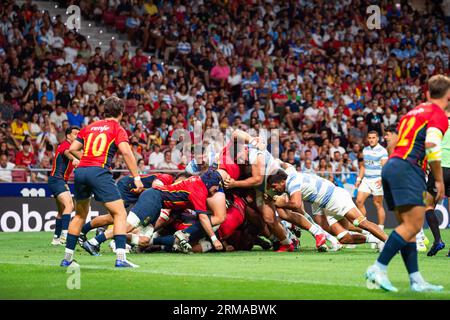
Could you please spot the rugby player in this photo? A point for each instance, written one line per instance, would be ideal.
(126, 188)
(100, 141)
(63, 165)
(191, 193)
(369, 178)
(430, 214)
(419, 136)
(335, 202)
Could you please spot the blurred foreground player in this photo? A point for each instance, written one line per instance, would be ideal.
(419, 137)
(100, 141)
(63, 165)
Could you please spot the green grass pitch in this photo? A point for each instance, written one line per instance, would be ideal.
(29, 270)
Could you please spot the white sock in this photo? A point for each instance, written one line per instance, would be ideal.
(121, 254)
(314, 230)
(372, 239)
(416, 277)
(64, 234)
(331, 238)
(68, 255)
(93, 241)
(286, 241)
(381, 226)
(363, 232)
(381, 266)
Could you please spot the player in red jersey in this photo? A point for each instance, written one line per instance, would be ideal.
(100, 141)
(420, 134)
(63, 165)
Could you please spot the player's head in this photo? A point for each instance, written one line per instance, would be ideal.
(71, 133)
(114, 108)
(181, 176)
(277, 181)
(373, 138)
(390, 132)
(439, 89)
(212, 180)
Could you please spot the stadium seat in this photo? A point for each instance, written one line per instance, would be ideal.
(19, 176)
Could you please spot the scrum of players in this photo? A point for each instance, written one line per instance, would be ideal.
(240, 197)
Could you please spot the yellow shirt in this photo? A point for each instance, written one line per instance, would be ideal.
(19, 132)
(151, 9)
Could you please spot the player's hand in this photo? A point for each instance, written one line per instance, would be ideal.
(440, 190)
(280, 201)
(75, 162)
(139, 186)
(218, 245)
(229, 183)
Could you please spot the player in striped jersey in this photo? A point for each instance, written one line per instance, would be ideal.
(335, 202)
(369, 179)
(63, 165)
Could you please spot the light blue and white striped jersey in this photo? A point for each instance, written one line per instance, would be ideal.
(194, 168)
(271, 165)
(372, 161)
(314, 189)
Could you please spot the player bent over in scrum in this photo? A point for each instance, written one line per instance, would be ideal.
(100, 141)
(191, 193)
(126, 188)
(335, 202)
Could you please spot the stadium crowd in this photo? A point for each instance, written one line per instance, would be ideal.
(316, 72)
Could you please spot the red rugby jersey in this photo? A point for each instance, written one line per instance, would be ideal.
(412, 131)
(62, 167)
(100, 143)
(186, 194)
(227, 163)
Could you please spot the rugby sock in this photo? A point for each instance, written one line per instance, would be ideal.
(416, 277)
(381, 226)
(100, 238)
(71, 242)
(314, 230)
(409, 255)
(58, 227)
(331, 238)
(393, 245)
(86, 228)
(166, 241)
(433, 223)
(285, 242)
(65, 224)
(121, 241)
(195, 232)
(372, 239)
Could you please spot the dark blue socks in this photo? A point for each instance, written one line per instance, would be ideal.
(58, 227)
(394, 244)
(409, 255)
(86, 228)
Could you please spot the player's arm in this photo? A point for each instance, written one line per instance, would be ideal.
(75, 159)
(362, 170)
(130, 160)
(293, 202)
(256, 179)
(207, 226)
(246, 138)
(434, 155)
(75, 149)
(157, 182)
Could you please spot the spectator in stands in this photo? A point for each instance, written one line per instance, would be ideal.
(156, 156)
(167, 163)
(19, 127)
(74, 116)
(25, 158)
(5, 168)
(57, 117)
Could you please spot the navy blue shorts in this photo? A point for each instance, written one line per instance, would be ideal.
(125, 185)
(97, 181)
(148, 207)
(57, 186)
(403, 184)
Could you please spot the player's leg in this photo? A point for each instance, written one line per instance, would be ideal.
(58, 224)
(381, 213)
(343, 235)
(66, 207)
(275, 227)
(81, 213)
(359, 220)
(100, 221)
(361, 199)
(432, 220)
(300, 221)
